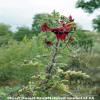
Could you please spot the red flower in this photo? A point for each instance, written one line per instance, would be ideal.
(70, 18)
(60, 32)
(44, 27)
(57, 36)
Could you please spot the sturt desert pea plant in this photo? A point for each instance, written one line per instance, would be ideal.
(66, 27)
(53, 81)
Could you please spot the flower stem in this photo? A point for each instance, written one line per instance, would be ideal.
(49, 69)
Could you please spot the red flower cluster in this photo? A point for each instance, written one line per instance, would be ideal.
(60, 32)
(44, 27)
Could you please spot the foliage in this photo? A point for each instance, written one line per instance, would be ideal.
(5, 33)
(5, 92)
(90, 6)
(54, 80)
(26, 63)
(96, 23)
(22, 32)
(23, 63)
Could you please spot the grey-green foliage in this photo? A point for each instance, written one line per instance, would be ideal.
(5, 92)
(20, 60)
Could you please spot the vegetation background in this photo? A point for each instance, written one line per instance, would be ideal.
(24, 54)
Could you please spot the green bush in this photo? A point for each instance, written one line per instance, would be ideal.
(21, 60)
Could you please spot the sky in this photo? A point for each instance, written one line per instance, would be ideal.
(21, 12)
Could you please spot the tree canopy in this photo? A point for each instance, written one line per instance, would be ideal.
(5, 33)
(21, 32)
(96, 23)
(88, 5)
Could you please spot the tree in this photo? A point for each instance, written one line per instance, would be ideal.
(21, 32)
(96, 23)
(5, 33)
(89, 7)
